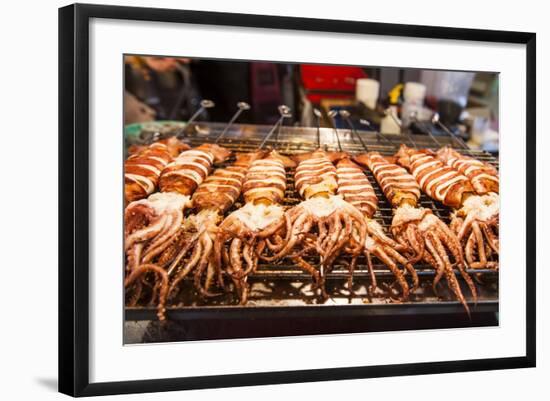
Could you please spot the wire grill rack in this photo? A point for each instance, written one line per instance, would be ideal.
(282, 283)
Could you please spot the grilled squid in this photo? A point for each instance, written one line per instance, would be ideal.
(177, 182)
(214, 196)
(150, 224)
(144, 166)
(154, 226)
(187, 171)
(465, 185)
(355, 188)
(323, 222)
(482, 176)
(241, 237)
(417, 228)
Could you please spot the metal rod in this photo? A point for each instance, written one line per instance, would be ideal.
(241, 106)
(435, 120)
(379, 135)
(346, 116)
(414, 117)
(366, 123)
(284, 111)
(331, 114)
(205, 104)
(318, 114)
(409, 136)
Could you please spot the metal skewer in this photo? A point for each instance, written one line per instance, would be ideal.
(346, 116)
(241, 106)
(332, 114)
(435, 121)
(318, 114)
(414, 117)
(284, 111)
(379, 135)
(205, 104)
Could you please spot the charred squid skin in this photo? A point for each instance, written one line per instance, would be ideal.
(476, 229)
(412, 236)
(374, 284)
(343, 238)
(191, 263)
(144, 268)
(408, 266)
(134, 257)
(480, 245)
(438, 252)
(274, 244)
(293, 238)
(203, 265)
(210, 275)
(184, 250)
(248, 257)
(381, 254)
(178, 242)
(161, 243)
(146, 233)
(492, 240)
(446, 237)
(351, 270)
(453, 245)
(318, 280)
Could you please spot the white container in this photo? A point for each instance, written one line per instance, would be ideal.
(389, 125)
(366, 91)
(414, 92)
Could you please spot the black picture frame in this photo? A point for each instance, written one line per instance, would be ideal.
(74, 198)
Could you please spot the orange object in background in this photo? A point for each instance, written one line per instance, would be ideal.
(322, 81)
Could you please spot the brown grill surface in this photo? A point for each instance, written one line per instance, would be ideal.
(282, 284)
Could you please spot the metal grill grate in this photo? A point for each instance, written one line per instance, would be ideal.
(295, 140)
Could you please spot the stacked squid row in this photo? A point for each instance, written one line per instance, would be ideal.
(334, 217)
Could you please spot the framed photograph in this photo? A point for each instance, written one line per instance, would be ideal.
(279, 199)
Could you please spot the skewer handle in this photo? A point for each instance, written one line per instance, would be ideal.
(435, 120)
(346, 116)
(205, 104)
(379, 135)
(284, 111)
(332, 114)
(318, 114)
(241, 106)
(414, 117)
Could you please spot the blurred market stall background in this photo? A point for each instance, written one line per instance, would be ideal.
(385, 99)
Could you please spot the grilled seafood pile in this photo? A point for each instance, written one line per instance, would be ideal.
(178, 222)
(153, 226)
(213, 197)
(243, 235)
(355, 188)
(323, 222)
(144, 166)
(425, 236)
(468, 186)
